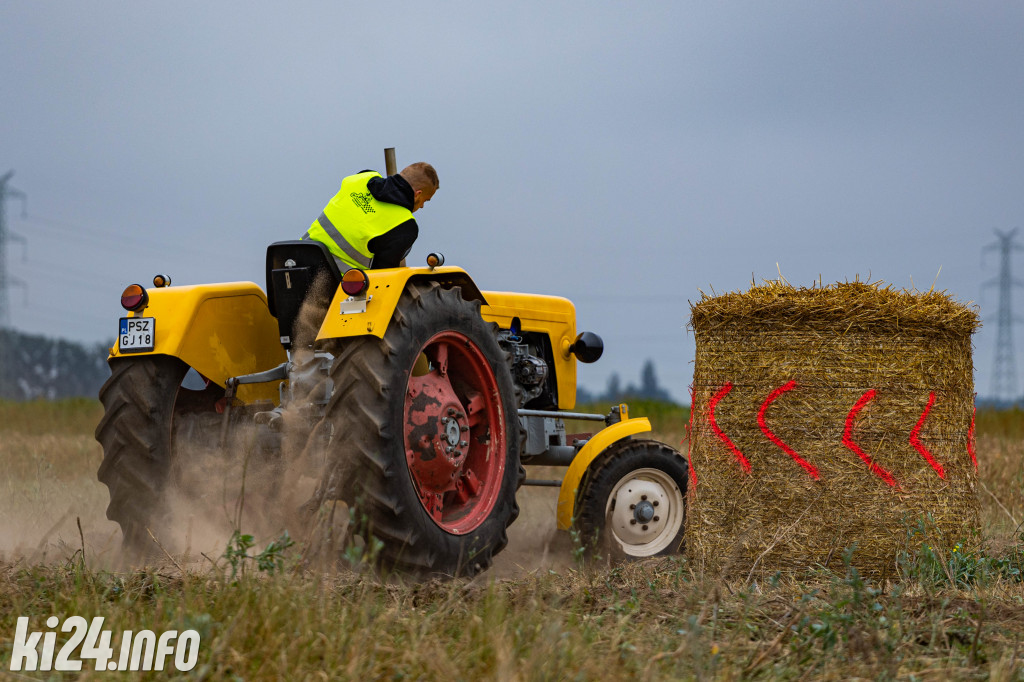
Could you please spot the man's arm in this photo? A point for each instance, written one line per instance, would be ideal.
(391, 248)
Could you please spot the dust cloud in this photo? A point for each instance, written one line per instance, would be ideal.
(54, 489)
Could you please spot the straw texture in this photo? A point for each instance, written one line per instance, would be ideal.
(827, 418)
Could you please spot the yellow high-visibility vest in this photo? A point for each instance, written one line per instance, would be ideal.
(352, 218)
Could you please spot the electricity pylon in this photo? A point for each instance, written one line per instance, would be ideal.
(7, 281)
(1004, 368)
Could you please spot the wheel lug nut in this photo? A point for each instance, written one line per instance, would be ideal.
(464, 428)
(463, 443)
(656, 519)
(632, 522)
(655, 503)
(632, 506)
(644, 527)
(643, 497)
(451, 411)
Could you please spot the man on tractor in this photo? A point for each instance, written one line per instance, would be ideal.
(369, 223)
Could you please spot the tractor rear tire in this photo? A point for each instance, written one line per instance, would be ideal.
(135, 432)
(427, 456)
(160, 443)
(632, 502)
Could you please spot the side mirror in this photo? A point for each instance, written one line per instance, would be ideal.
(587, 347)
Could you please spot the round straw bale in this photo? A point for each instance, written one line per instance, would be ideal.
(828, 419)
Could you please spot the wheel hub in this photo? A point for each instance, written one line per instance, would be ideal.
(640, 510)
(644, 512)
(455, 441)
(435, 449)
(452, 432)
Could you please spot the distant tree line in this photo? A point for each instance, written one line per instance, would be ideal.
(649, 389)
(34, 366)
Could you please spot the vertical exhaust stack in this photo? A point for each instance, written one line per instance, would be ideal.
(390, 166)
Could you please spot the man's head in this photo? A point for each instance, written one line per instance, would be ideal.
(423, 179)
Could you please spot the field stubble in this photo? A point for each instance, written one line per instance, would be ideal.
(536, 615)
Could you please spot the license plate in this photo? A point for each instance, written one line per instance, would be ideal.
(136, 334)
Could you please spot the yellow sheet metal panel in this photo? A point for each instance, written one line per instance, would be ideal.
(587, 454)
(220, 330)
(551, 315)
(386, 287)
(536, 307)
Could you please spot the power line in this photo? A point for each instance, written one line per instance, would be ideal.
(87, 280)
(106, 238)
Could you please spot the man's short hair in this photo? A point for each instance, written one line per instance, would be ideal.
(421, 176)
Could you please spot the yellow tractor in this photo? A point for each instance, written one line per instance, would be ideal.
(427, 395)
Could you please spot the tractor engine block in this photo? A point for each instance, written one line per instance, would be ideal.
(528, 371)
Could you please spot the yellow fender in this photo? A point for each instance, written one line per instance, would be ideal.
(386, 287)
(550, 315)
(587, 454)
(220, 330)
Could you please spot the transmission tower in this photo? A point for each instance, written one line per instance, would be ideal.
(1004, 368)
(6, 280)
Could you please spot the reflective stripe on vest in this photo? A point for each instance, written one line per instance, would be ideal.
(361, 216)
(342, 243)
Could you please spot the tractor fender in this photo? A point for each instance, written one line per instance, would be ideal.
(220, 330)
(385, 288)
(587, 454)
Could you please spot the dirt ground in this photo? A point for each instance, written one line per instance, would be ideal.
(52, 504)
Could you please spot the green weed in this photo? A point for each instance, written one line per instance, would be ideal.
(270, 560)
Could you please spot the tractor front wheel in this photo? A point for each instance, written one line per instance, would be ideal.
(632, 502)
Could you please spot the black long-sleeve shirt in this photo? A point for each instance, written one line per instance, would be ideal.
(394, 245)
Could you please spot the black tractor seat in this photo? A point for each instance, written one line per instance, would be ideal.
(297, 270)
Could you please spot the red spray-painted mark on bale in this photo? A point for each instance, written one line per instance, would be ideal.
(689, 441)
(718, 432)
(789, 386)
(848, 439)
(970, 438)
(918, 445)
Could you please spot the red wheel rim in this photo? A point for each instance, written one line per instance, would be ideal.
(455, 433)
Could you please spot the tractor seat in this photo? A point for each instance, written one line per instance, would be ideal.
(293, 268)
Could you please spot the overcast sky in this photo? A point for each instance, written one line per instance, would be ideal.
(625, 156)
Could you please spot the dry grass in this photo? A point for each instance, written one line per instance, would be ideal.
(49, 459)
(957, 617)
